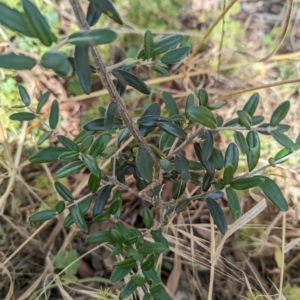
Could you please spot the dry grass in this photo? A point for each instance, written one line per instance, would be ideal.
(258, 258)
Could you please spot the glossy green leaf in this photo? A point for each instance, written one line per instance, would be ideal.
(22, 116)
(175, 55)
(207, 180)
(147, 296)
(216, 105)
(282, 139)
(44, 136)
(47, 155)
(93, 183)
(15, 20)
(82, 136)
(63, 191)
(85, 204)
(155, 247)
(108, 152)
(152, 120)
(115, 206)
(282, 153)
(232, 156)
(148, 44)
(42, 216)
(123, 229)
(241, 142)
(147, 217)
(138, 280)
(148, 262)
(70, 169)
(86, 144)
(254, 149)
(93, 14)
(251, 105)
(68, 221)
(107, 8)
(54, 114)
(244, 119)
(172, 129)
(160, 70)
(24, 95)
(129, 288)
(100, 144)
(217, 214)
(216, 159)
(67, 143)
(123, 135)
(64, 69)
(202, 115)
(42, 101)
(280, 113)
(69, 155)
(92, 165)
(177, 118)
(207, 145)
(82, 68)
(99, 124)
(144, 164)
(110, 115)
(228, 174)
(246, 183)
(182, 166)
(163, 45)
(79, 219)
(118, 275)
(130, 79)
(102, 200)
(273, 192)
(60, 206)
(38, 23)
(99, 237)
(124, 264)
(85, 38)
(158, 237)
(16, 62)
(149, 118)
(233, 203)
(181, 205)
(166, 141)
(189, 103)
(53, 60)
(257, 120)
(170, 104)
(202, 96)
(166, 165)
(160, 295)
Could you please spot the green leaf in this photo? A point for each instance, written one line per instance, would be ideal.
(257, 120)
(108, 152)
(38, 23)
(99, 237)
(82, 136)
(129, 288)
(172, 129)
(148, 263)
(254, 149)
(251, 105)
(166, 141)
(107, 8)
(102, 217)
(100, 144)
(163, 45)
(110, 115)
(147, 296)
(85, 38)
(151, 115)
(155, 288)
(170, 104)
(181, 205)
(123, 135)
(147, 217)
(144, 164)
(24, 95)
(65, 259)
(216, 105)
(47, 155)
(130, 79)
(153, 248)
(207, 146)
(60, 206)
(244, 118)
(92, 165)
(99, 124)
(123, 229)
(232, 156)
(241, 142)
(54, 114)
(102, 200)
(79, 219)
(202, 96)
(207, 180)
(282, 139)
(246, 183)
(148, 44)
(178, 188)
(85, 204)
(280, 113)
(93, 14)
(282, 153)
(82, 68)
(67, 143)
(272, 191)
(68, 156)
(118, 198)
(118, 275)
(233, 203)
(158, 237)
(125, 264)
(189, 104)
(228, 174)
(166, 165)
(53, 60)
(15, 20)
(138, 280)
(43, 100)
(16, 62)
(68, 221)
(70, 169)
(217, 214)
(216, 159)
(63, 191)
(45, 136)
(22, 116)
(64, 69)
(202, 115)
(152, 120)
(86, 144)
(175, 55)
(160, 70)
(94, 183)
(161, 295)
(182, 166)
(115, 206)
(42, 216)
